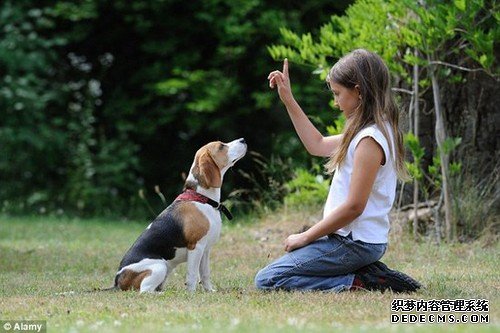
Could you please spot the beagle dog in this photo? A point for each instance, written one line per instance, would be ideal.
(186, 230)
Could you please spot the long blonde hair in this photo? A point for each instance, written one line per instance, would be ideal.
(368, 71)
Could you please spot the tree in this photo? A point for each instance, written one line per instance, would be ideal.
(465, 29)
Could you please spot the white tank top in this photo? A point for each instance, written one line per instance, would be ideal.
(372, 226)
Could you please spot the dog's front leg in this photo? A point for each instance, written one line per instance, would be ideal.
(205, 271)
(193, 267)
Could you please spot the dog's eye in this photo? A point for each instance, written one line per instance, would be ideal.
(221, 146)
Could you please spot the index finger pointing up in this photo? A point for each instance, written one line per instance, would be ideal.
(285, 67)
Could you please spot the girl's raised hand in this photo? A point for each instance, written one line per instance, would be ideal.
(282, 80)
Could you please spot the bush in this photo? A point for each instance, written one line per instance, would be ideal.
(306, 189)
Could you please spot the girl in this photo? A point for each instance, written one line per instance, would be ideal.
(340, 252)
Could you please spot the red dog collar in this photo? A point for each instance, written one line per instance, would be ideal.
(191, 195)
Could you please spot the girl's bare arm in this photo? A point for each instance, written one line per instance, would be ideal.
(315, 143)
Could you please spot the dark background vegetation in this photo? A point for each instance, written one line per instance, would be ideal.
(101, 99)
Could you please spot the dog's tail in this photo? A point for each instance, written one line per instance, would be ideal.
(113, 288)
(94, 290)
(73, 293)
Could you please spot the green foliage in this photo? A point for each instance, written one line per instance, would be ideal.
(267, 185)
(306, 189)
(435, 170)
(57, 151)
(32, 98)
(462, 28)
(433, 28)
(338, 125)
(344, 33)
(417, 152)
(450, 144)
(433, 174)
(413, 144)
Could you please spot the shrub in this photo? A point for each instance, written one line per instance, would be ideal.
(306, 189)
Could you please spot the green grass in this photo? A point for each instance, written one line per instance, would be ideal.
(47, 264)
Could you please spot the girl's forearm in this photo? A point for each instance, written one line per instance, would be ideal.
(307, 132)
(338, 218)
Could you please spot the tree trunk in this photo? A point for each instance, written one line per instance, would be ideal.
(440, 133)
(416, 118)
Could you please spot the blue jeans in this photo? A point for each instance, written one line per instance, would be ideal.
(326, 264)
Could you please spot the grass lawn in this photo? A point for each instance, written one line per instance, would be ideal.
(48, 264)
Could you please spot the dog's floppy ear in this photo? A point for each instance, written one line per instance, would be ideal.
(208, 174)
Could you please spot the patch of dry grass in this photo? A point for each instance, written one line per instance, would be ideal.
(42, 258)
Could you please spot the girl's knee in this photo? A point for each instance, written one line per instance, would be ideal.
(270, 276)
(263, 279)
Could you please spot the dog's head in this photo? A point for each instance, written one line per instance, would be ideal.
(214, 159)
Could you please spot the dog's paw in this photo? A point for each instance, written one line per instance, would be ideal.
(208, 287)
(191, 287)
